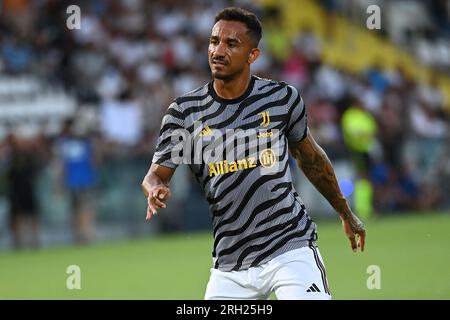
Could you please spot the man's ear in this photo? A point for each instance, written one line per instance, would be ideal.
(254, 54)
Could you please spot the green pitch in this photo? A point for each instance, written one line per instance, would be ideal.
(413, 253)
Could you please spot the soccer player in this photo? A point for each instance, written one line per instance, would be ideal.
(264, 241)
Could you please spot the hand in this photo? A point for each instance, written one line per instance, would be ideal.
(354, 230)
(156, 198)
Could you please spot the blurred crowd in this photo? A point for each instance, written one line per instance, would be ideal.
(132, 57)
(422, 27)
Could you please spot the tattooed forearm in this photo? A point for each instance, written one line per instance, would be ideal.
(318, 169)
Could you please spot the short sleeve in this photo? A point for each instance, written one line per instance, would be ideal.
(172, 123)
(297, 125)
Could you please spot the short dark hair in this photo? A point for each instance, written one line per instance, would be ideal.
(248, 18)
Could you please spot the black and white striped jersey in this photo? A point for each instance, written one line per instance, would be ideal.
(238, 152)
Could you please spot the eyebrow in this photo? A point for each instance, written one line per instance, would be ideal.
(229, 39)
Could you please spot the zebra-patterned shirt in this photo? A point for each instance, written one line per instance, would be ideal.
(237, 150)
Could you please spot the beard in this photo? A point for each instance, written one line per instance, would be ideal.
(220, 76)
(225, 76)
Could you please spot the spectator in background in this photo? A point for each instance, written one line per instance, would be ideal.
(278, 42)
(391, 129)
(377, 78)
(359, 130)
(407, 193)
(76, 155)
(295, 68)
(122, 120)
(21, 172)
(440, 11)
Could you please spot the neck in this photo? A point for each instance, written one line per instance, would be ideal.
(232, 89)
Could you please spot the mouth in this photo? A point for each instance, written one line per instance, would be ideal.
(219, 63)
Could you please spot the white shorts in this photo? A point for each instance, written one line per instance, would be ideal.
(295, 275)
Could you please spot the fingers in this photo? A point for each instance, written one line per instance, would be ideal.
(362, 240)
(164, 193)
(358, 240)
(161, 194)
(353, 242)
(149, 214)
(151, 210)
(355, 232)
(155, 201)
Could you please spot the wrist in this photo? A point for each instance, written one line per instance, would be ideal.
(343, 209)
(345, 215)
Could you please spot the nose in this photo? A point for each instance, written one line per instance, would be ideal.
(219, 50)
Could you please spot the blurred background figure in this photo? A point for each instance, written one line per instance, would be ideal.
(359, 129)
(21, 172)
(76, 156)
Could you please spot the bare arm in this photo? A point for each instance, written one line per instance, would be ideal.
(156, 187)
(318, 169)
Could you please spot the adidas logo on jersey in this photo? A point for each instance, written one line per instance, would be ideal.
(313, 288)
(206, 132)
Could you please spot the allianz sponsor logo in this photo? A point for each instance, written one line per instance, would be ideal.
(267, 159)
(223, 167)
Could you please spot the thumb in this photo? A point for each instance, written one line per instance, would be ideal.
(164, 193)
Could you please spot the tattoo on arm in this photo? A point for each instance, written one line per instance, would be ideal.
(318, 169)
